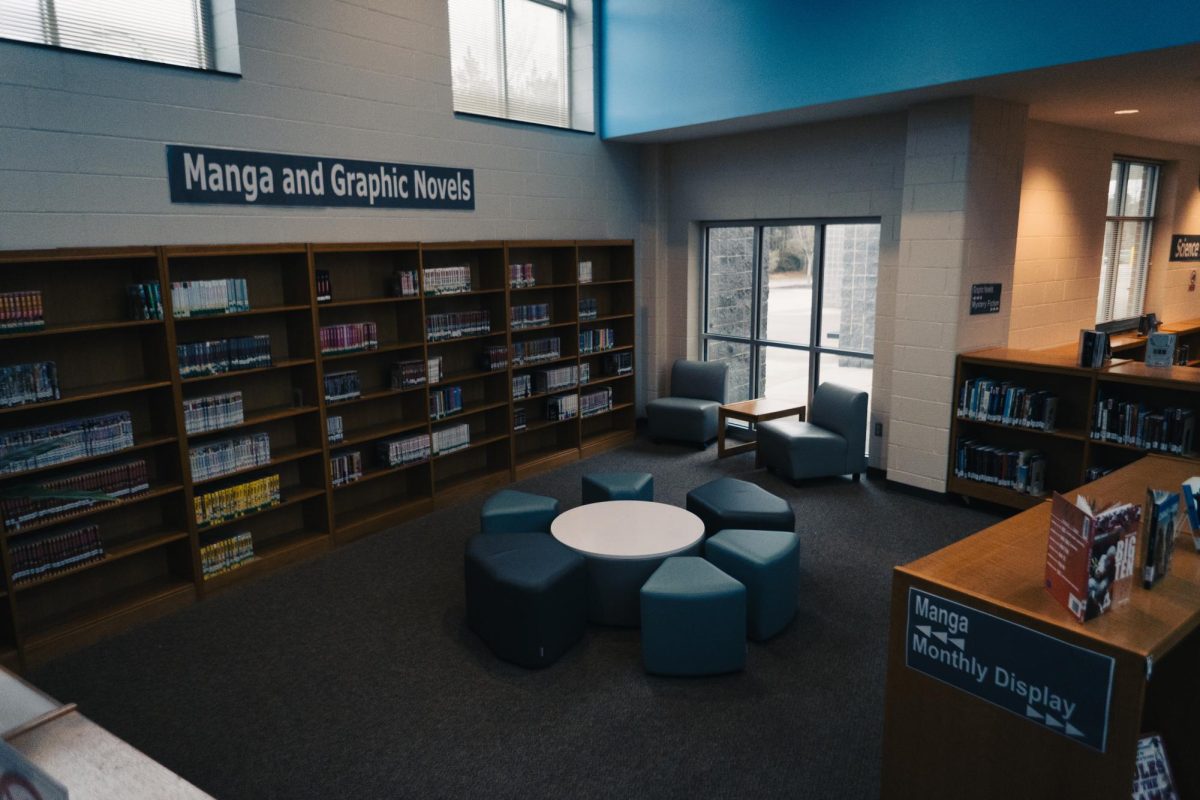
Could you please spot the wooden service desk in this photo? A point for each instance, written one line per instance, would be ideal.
(994, 690)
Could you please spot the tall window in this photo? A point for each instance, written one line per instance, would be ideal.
(789, 305)
(166, 31)
(1132, 189)
(509, 59)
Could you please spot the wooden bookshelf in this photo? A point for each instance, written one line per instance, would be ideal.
(1070, 449)
(108, 362)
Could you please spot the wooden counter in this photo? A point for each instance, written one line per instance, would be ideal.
(942, 742)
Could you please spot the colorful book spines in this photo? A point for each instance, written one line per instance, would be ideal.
(21, 384)
(222, 505)
(21, 311)
(334, 429)
(618, 364)
(218, 356)
(451, 438)
(532, 351)
(209, 297)
(1170, 430)
(324, 286)
(520, 276)
(447, 280)
(1021, 470)
(213, 412)
(120, 481)
(405, 450)
(589, 309)
(556, 378)
(61, 442)
(226, 554)
(145, 301)
(405, 283)
(41, 554)
(341, 386)
(214, 459)
(1004, 403)
(345, 467)
(406, 374)
(530, 315)
(444, 402)
(595, 402)
(593, 341)
(456, 324)
(563, 406)
(349, 338)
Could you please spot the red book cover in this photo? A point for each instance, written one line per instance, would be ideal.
(1090, 556)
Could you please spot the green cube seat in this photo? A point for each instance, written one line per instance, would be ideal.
(510, 511)
(768, 564)
(731, 503)
(599, 487)
(693, 619)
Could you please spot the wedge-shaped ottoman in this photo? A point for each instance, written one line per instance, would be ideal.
(693, 619)
(599, 487)
(510, 511)
(526, 596)
(730, 503)
(768, 564)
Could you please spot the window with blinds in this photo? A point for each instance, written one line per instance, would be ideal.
(509, 59)
(1132, 189)
(164, 31)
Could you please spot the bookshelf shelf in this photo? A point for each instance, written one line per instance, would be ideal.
(108, 363)
(1073, 435)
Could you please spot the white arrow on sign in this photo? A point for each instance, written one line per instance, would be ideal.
(1030, 711)
(940, 636)
(923, 629)
(1071, 729)
(1052, 722)
(961, 644)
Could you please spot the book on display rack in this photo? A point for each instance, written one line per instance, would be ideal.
(1090, 554)
(1162, 510)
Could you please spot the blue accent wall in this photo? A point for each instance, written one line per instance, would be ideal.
(668, 63)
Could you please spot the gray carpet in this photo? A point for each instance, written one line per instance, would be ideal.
(353, 675)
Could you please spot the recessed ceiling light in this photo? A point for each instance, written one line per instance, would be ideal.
(1126, 111)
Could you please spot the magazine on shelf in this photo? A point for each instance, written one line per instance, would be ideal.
(1093, 348)
(1090, 554)
(1152, 778)
(1160, 349)
(1162, 508)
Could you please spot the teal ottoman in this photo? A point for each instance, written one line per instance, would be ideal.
(602, 486)
(510, 511)
(730, 503)
(768, 564)
(693, 619)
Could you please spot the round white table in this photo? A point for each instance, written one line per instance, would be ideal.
(623, 542)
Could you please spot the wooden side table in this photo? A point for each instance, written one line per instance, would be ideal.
(754, 412)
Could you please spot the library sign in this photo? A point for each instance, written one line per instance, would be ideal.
(250, 178)
(1046, 681)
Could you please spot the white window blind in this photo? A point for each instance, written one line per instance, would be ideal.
(509, 59)
(1132, 189)
(165, 31)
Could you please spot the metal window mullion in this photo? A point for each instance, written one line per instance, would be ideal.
(756, 313)
(818, 302)
(50, 23)
(502, 54)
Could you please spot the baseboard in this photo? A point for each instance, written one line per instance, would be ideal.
(914, 491)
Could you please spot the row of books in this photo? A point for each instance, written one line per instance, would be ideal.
(520, 276)
(59, 442)
(595, 402)
(213, 412)
(405, 283)
(519, 418)
(1171, 430)
(232, 502)
(589, 308)
(334, 429)
(530, 315)
(145, 300)
(43, 554)
(585, 272)
(218, 356)
(563, 406)
(324, 286)
(404, 450)
(415, 372)
(447, 280)
(444, 402)
(593, 341)
(618, 364)
(532, 351)
(69, 494)
(214, 459)
(351, 337)
(28, 383)
(493, 357)
(345, 467)
(585, 371)
(1002, 402)
(207, 297)
(1021, 470)
(21, 311)
(226, 554)
(522, 385)
(456, 324)
(342, 386)
(451, 438)
(556, 378)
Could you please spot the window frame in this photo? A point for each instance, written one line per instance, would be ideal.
(567, 8)
(1106, 300)
(756, 341)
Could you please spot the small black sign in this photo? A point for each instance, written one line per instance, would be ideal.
(1185, 247)
(985, 298)
(1049, 682)
(249, 178)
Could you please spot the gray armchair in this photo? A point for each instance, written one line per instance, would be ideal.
(832, 442)
(698, 388)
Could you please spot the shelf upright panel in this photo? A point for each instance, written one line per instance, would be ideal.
(614, 274)
(319, 385)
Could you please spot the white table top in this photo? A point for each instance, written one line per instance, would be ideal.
(628, 529)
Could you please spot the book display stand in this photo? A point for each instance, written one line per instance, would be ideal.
(403, 388)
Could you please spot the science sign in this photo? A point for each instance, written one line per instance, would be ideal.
(249, 178)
